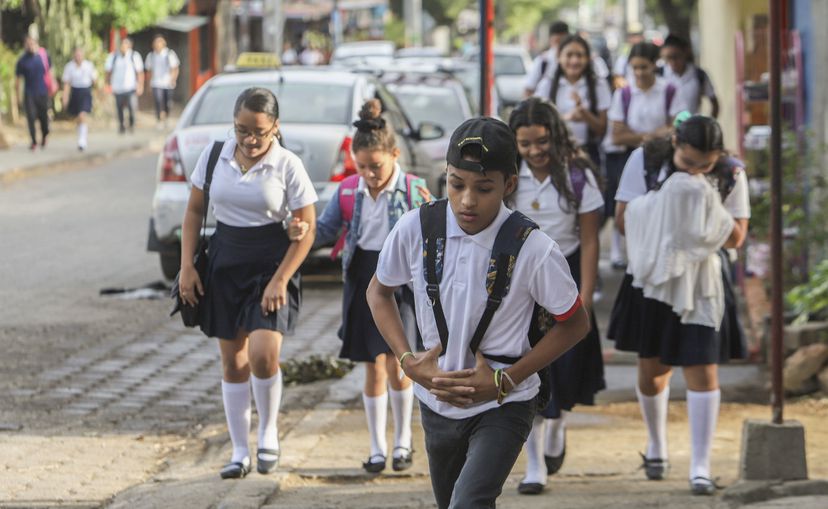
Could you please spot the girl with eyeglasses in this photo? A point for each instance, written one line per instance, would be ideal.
(251, 295)
(682, 200)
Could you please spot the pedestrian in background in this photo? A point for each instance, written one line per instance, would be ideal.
(79, 77)
(289, 55)
(35, 84)
(368, 206)
(692, 81)
(311, 56)
(676, 305)
(640, 111)
(558, 190)
(162, 65)
(251, 295)
(546, 61)
(125, 75)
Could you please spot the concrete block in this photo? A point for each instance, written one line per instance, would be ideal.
(773, 451)
(805, 334)
(801, 367)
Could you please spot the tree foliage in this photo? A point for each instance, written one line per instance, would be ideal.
(676, 14)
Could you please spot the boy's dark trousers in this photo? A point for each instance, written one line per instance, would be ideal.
(470, 459)
(124, 100)
(37, 108)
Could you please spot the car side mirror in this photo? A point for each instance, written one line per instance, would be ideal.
(430, 131)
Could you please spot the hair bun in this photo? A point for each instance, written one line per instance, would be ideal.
(374, 124)
(371, 110)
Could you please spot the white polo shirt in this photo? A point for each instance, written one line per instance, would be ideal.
(647, 111)
(79, 76)
(565, 103)
(633, 185)
(161, 64)
(124, 69)
(373, 219)
(687, 85)
(537, 70)
(559, 224)
(275, 185)
(541, 275)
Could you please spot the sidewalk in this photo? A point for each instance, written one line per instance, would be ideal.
(62, 152)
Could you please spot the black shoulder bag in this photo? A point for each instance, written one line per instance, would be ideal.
(191, 315)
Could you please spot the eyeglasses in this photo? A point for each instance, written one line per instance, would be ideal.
(242, 133)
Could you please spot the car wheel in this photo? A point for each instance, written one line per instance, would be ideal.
(170, 262)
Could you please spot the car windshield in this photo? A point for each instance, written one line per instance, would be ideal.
(306, 103)
(428, 104)
(505, 64)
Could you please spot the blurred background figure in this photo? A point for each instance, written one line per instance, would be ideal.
(162, 65)
(79, 77)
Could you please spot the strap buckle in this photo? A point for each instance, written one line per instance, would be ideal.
(493, 302)
(433, 292)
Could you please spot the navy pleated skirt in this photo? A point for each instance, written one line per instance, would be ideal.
(653, 330)
(361, 340)
(241, 262)
(80, 99)
(578, 374)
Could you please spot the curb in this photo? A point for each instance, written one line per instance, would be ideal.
(749, 492)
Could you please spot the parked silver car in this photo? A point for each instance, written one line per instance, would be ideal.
(317, 107)
(511, 65)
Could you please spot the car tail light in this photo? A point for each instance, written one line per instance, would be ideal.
(171, 168)
(345, 164)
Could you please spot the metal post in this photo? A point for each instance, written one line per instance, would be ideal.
(775, 32)
(486, 56)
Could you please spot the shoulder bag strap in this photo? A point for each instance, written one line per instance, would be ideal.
(433, 227)
(215, 152)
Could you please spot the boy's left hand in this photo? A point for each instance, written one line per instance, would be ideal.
(460, 389)
(297, 229)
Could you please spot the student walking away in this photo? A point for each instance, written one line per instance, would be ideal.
(35, 85)
(546, 61)
(639, 112)
(676, 305)
(162, 64)
(368, 205)
(477, 381)
(251, 294)
(691, 81)
(79, 77)
(125, 75)
(557, 189)
(581, 97)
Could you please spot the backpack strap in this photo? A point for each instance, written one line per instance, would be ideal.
(433, 227)
(413, 198)
(507, 245)
(212, 160)
(626, 99)
(347, 197)
(652, 169)
(578, 179)
(668, 99)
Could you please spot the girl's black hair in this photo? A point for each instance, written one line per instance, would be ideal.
(373, 132)
(259, 100)
(589, 72)
(535, 111)
(646, 50)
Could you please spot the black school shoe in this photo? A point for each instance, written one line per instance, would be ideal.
(530, 488)
(655, 468)
(403, 462)
(236, 469)
(374, 467)
(701, 485)
(267, 460)
(554, 463)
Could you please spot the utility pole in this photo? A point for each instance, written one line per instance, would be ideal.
(486, 56)
(413, 15)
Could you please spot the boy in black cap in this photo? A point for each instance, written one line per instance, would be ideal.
(477, 381)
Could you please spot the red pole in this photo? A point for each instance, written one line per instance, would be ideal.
(775, 29)
(486, 56)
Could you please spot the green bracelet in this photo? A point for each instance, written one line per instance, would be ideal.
(497, 377)
(403, 356)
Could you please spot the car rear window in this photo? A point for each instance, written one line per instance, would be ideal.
(310, 103)
(430, 104)
(505, 64)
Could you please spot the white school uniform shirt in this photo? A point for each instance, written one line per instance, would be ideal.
(537, 71)
(565, 103)
(633, 184)
(275, 185)
(687, 86)
(541, 275)
(79, 76)
(161, 64)
(552, 216)
(647, 111)
(373, 219)
(124, 69)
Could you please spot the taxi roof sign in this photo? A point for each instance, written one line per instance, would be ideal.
(253, 60)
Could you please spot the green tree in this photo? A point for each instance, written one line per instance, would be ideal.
(676, 14)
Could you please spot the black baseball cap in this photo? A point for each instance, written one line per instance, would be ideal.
(497, 146)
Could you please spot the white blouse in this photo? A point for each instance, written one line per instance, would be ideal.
(79, 76)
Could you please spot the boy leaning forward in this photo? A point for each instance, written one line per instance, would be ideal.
(476, 411)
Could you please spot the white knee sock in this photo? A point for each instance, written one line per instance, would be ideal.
(654, 411)
(556, 435)
(236, 398)
(402, 404)
(83, 131)
(267, 392)
(535, 464)
(616, 250)
(703, 412)
(376, 412)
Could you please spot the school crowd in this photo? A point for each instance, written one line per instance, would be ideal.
(480, 304)
(36, 85)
